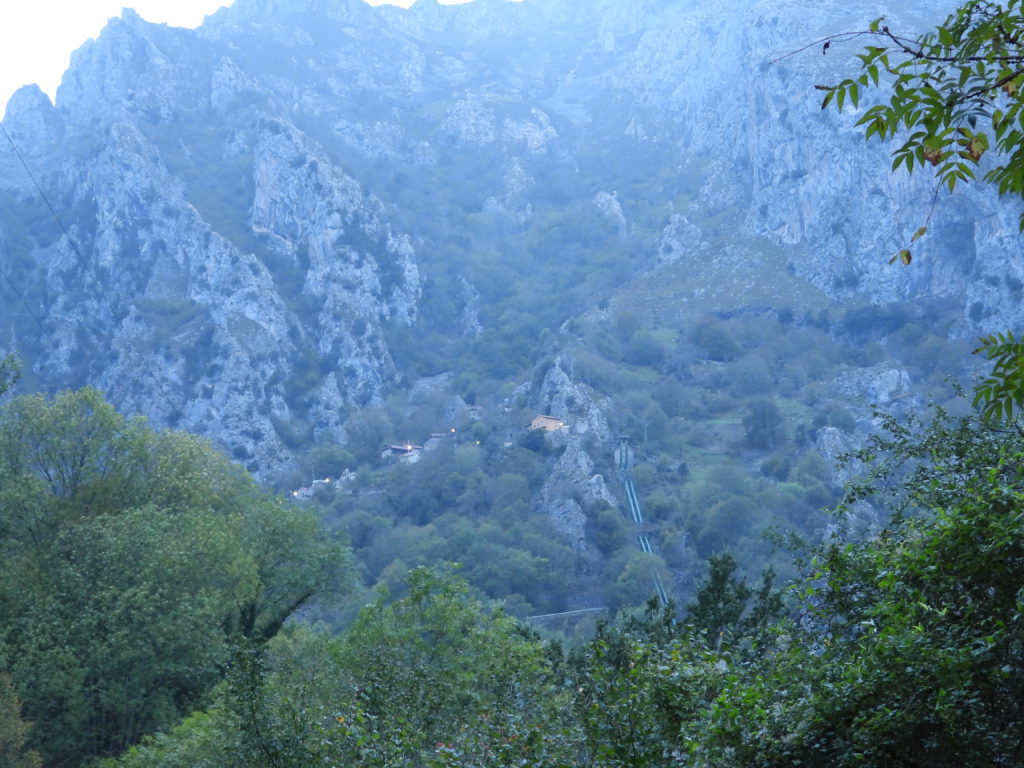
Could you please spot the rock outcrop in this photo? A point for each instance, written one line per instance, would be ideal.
(253, 210)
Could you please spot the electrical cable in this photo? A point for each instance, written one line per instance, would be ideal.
(78, 255)
(46, 200)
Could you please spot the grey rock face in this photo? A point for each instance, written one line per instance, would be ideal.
(575, 403)
(573, 476)
(680, 238)
(880, 384)
(232, 194)
(222, 274)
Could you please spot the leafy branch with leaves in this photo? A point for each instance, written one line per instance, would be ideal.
(955, 93)
(1001, 394)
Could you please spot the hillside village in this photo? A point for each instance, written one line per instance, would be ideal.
(410, 453)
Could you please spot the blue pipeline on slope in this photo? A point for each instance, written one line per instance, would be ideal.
(626, 473)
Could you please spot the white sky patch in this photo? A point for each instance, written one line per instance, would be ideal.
(38, 36)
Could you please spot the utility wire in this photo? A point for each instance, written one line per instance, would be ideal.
(25, 304)
(78, 254)
(567, 613)
(7, 278)
(42, 194)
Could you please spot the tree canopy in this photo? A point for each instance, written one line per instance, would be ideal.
(10, 367)
(131, 562)
(909, 651)
(143, 579)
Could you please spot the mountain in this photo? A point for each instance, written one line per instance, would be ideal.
(305, 212)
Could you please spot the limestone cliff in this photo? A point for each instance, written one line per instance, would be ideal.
(256, 210)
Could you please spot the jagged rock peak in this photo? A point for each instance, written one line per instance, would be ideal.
(133, 67)
(31, 119)
(28, 98)
(262, 9)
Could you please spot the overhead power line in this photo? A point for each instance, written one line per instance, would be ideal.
(46, 200)
(75, 249)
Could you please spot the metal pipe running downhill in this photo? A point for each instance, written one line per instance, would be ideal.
(633, 500)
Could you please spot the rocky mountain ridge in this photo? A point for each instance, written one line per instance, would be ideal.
(259, 210)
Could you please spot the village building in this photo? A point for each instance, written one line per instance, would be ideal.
(406, 452)
(550, 423)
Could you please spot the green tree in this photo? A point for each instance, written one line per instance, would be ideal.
(439, 668)
(607, 529)
(910, 651)
(763, 423)
(368, 430)
(132, 562)
(201, 740)
(635, 582)
(725, 522)
(715, 342)
(13, 730)
(120, 630)
(727, 609)
(1001, 394)
(274, 709)
(641, 687)
(10, 370)
(433, 679)
(648, 348)
(63, 459)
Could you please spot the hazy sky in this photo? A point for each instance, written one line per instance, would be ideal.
(38, 36)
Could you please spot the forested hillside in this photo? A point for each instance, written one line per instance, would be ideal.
(540, 383)
(316, 230)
